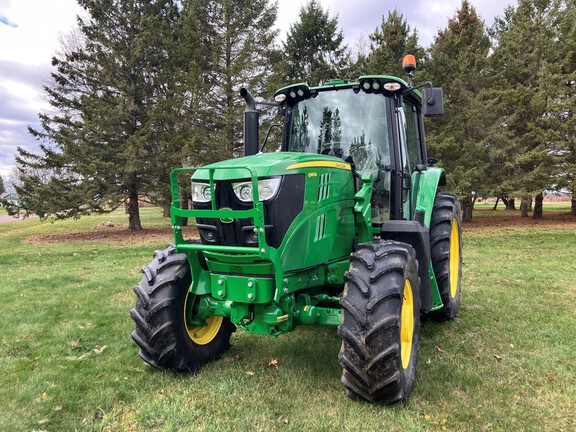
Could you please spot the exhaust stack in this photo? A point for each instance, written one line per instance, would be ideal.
(251, 124)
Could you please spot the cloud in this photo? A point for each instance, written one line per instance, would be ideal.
(359, 19)
(31, 75)
(20, 87)
(6, 21)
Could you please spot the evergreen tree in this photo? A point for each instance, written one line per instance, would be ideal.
(314, 50)
(388, 46)
(458, 65)
(325, 136)
(243, 42)
(99, 143)
(182, 114)
(2, 186)
(563, 108)
(337, 132)
(526, 61)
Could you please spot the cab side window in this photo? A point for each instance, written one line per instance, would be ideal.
(412, 135)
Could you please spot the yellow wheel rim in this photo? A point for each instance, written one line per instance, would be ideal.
(202, 335)
(454, 258)
(407, 324)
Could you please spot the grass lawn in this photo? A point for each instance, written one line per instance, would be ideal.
(67, 362)
(486, 210)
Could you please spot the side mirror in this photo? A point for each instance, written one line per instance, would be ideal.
(433, 101)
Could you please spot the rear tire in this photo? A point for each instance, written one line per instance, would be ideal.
(164, 338)
(380, 328)
(446, 252)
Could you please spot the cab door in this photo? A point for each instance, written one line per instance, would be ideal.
(410, 153)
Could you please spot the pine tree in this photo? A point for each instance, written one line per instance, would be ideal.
(99, 143)
(182, 114)
(458, 65)
(314, 50)
(242, 43)
(389, 44)
(563, 108)
(325, 136)
(526, 60)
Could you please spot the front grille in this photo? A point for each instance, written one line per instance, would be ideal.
(279, 213)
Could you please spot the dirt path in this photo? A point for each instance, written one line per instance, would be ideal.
(6, 218)
(118, 233)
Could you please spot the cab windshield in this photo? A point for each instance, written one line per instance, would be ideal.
(348, 125)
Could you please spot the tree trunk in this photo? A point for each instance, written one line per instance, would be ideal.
(573, 212)
(496, 205)
(538, 207)
(509, 203)
(166, 210)
(185, 198)
(133, 208)
(467, 207)
(524, 206)
(530, 204)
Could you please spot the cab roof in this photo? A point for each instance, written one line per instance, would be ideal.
(384, 84)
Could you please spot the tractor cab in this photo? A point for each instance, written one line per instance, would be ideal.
(375, 124)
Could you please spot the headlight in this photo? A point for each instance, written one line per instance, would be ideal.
(267, 189)
(201, 192)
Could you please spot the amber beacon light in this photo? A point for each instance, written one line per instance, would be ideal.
(409, 63)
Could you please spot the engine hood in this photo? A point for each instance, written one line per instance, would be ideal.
(268, 165)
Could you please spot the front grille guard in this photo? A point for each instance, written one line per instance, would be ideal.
(200, 279)
(256, 213)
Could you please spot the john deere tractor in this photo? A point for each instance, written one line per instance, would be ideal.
(342, 226)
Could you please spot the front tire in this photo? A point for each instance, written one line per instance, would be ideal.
(165, 338)
(446, 253)
(380, 329)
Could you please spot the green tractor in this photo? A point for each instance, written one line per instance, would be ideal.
(343, 226)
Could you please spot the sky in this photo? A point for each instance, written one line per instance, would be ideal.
(30, 31)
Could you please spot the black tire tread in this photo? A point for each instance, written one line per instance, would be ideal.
(371, 303)
(158, 314)
(446, 209)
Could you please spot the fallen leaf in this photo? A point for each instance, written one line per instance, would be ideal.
(274, 363)
(551, 378)
(23, 295)
(28, 336)
(511, 345)
(429, 361)
(497, 357)
(250, 373)
(99, 349)
(439, 350)
(44, 396)
(427, 416)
